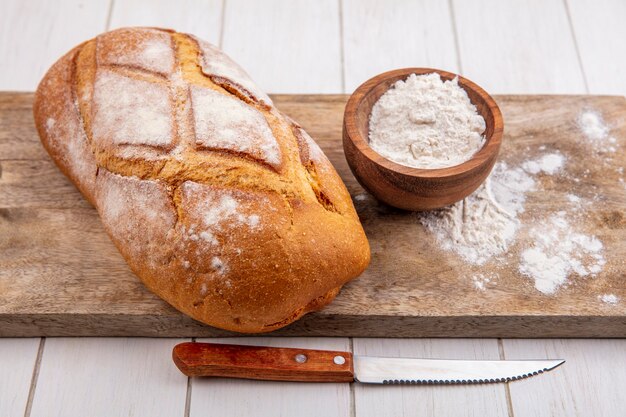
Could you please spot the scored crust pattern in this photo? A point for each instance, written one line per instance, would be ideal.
(174, 122)
(222, 205)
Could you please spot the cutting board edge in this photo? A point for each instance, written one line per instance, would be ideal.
(180, 326)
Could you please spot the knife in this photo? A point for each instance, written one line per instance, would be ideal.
(307, 365)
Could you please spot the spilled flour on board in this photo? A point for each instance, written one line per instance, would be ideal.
(550, 164)
(557, 252)
(573, 198)
(597, 132)
(552, 249)
(592, 125)
(600, 140)
(482, 226)
(482, 281)
(609, 299)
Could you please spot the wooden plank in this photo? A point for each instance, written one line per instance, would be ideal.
(20, 179)
(296, 51)
(231, 397)
(198, 17)
(33, 35)
(520, 47)
(381, 36)
(462, 400)
(104, 377)
(591, 382)
(600, 32)
(17, 129)
(17, 363)
(403, 293)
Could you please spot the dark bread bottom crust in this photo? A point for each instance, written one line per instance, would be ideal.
(314, 305)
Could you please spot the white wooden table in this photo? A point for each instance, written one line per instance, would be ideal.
(327, 46)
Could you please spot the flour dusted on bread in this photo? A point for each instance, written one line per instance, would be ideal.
(117, 96)
(222, 122)
(217, 64)
(218, 209)
(220, 204)
(151, 50)
(313, 151)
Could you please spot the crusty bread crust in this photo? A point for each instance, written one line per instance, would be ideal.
(222, 206)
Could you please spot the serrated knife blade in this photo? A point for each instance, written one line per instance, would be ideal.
(377, 370)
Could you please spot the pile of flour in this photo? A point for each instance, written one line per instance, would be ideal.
(482, 225)
(596, 131)
(609, 299)
(481, 281)
(559, 251)
(550, 163)
(592, 125)
(424, 122)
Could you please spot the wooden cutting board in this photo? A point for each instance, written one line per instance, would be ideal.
(61, 276)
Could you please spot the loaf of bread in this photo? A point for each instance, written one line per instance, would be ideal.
(222, 206)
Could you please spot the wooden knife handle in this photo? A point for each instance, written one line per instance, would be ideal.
(262, 362)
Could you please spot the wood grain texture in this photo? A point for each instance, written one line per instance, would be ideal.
(381, 36)
(17, 362)
(105, 377)
(16, 132)
(461, 400)
(231, 397)
(34, 34)
(199, 17)
(518, 47)
(412, 288)
(406, 187)
(591, 383)
(262, 362)
(278, 62)
(600, 31)
(22, 178)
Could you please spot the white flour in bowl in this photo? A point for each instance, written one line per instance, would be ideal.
(424, 122)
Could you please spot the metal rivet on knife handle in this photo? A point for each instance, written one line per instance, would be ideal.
(339, 360)
(300, 358)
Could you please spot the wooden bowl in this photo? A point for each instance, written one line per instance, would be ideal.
(413, 188)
